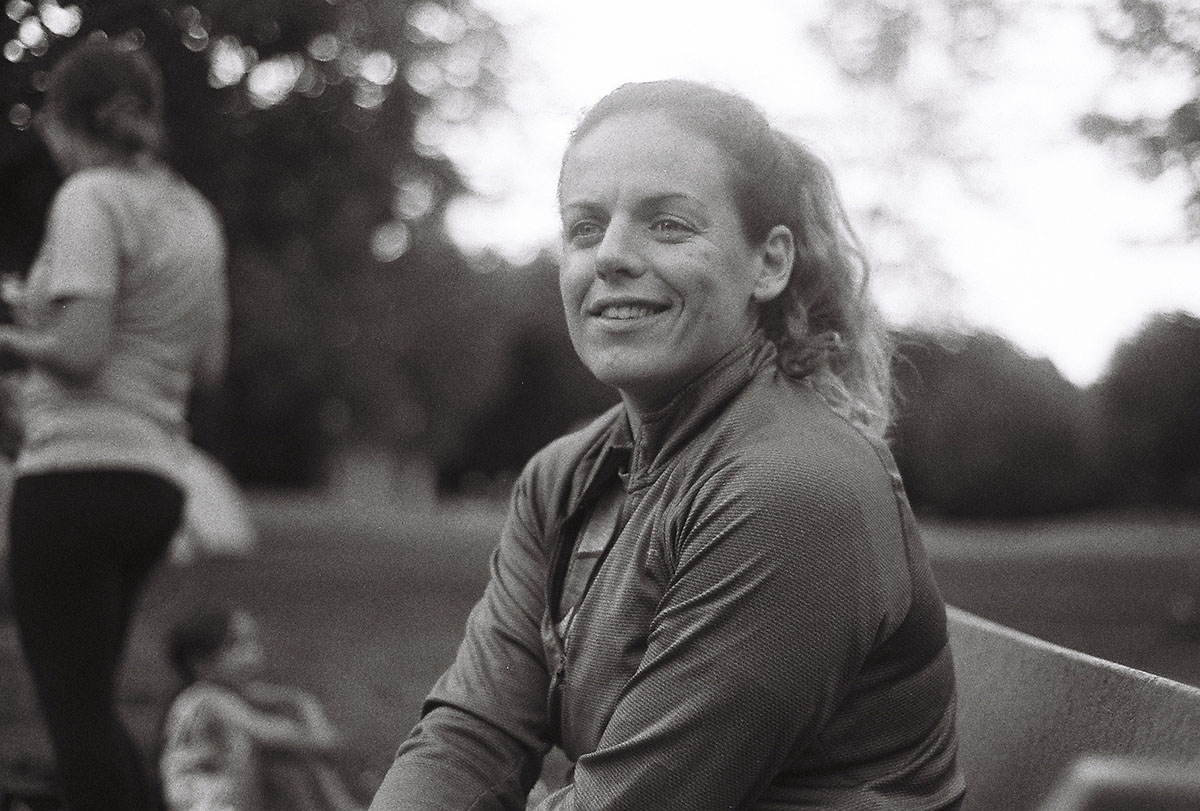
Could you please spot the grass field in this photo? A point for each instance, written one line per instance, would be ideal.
(364, 605)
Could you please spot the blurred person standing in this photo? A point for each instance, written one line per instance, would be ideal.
(124, 313)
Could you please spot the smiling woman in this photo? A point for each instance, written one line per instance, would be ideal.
(715, 595)
(658, 279)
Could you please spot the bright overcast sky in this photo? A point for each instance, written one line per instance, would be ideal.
(1068, 257)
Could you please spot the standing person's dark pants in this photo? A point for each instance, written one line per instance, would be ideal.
(83, 544)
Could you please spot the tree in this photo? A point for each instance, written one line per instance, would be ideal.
(986, 431)
(912, 72)
(547, 391)
(316, 128)
(1150, 394)
(1155, 39)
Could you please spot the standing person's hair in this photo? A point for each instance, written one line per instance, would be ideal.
(112, 92)
(824, 325)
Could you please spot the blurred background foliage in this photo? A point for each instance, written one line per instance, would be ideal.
(316, 127)
(984, 430)
(1152, 37)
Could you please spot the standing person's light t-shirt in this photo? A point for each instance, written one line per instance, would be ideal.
(148, 241)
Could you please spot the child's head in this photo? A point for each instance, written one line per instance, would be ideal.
(221, 645)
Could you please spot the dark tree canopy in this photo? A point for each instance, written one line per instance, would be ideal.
(1151, 393)
(315, 127)
(985, 430)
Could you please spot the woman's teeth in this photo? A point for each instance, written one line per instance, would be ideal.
(627, 311)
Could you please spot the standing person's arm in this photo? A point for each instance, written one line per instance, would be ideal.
(481, 738)
(301, 706)
(71, 342)
(71, 335)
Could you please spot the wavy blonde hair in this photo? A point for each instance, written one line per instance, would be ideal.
(824, 325)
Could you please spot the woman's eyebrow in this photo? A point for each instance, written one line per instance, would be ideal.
(695, 206)
(652, 201)
(578, 207)
(667, 197)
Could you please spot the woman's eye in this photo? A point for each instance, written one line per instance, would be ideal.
(671, 227)
(584, 232)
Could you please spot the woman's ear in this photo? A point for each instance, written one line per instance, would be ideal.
(778, 252)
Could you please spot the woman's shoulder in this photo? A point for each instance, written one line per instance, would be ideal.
(96, 188)
(785, 456)
(153, 198)
(152, 179)
(85, 187)
(788, 425)
(794, 468)
(101, 180)
(555, 469)
(564, 453)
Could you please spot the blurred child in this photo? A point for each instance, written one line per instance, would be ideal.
(232, 742)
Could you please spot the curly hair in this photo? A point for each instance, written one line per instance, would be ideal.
(824, 325)
(111, 92)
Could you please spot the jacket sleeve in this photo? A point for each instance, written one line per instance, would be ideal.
(480, 741)
(765, 621)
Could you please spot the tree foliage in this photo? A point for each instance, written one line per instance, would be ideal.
(546, 391)
(1155, 39)
(985, 430)
(1151, 397)
(912, 72)
(316, 128)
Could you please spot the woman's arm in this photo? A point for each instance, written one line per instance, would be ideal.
(481, 737)
(66, 311)
(212, 360)
(273, 729)
(71, 341)
(759, 636)
(304, 707)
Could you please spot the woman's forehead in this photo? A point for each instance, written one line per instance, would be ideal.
(636, 132)
(645, 151)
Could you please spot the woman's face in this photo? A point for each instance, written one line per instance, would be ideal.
(657, 280)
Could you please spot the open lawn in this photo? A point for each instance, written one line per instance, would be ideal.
(363, 604)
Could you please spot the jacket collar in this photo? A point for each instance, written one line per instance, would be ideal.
(664, 432)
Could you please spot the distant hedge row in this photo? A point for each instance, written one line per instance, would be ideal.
(985, 430)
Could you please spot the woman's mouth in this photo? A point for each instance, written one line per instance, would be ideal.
(626, 310)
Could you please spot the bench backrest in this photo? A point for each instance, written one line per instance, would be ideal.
(1028, 709)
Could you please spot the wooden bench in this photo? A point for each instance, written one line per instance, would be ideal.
(1042, 726)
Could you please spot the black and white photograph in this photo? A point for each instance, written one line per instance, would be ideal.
(522, 405)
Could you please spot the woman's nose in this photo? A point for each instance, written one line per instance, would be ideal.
(618, 251)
